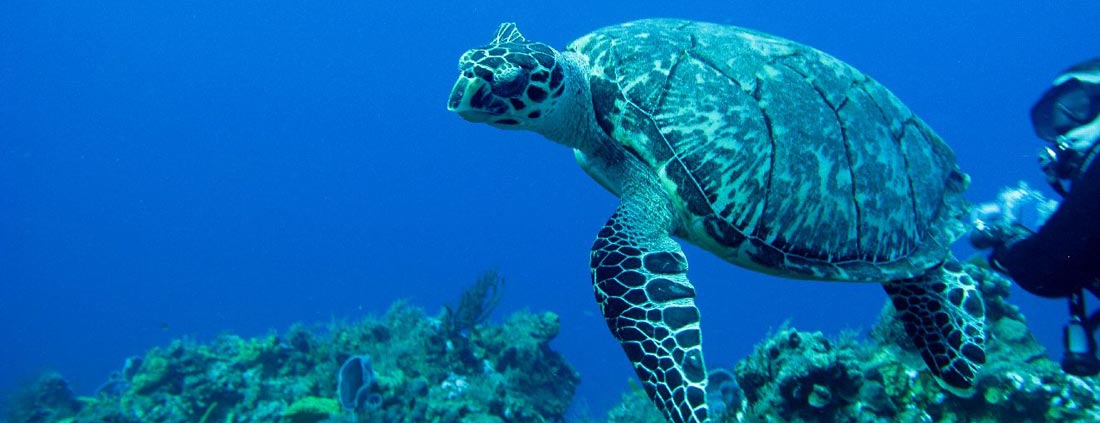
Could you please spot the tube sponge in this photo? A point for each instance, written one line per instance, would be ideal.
(354, 383)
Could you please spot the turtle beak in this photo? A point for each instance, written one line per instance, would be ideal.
(469, 99)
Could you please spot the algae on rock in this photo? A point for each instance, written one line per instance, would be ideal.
(424, 372)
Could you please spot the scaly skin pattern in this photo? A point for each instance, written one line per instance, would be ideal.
(943, 314)
(649, 305)
(508, 82)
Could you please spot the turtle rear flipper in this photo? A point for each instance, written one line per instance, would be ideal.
(943, 314)
(649, 305)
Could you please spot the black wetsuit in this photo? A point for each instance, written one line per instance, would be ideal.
(1063, 257)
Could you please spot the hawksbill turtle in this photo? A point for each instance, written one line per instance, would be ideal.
(768, 153)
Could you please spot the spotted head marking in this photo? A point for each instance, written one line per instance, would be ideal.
(510, 83)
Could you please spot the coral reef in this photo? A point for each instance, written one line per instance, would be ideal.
(801, 376)
(795, 376)
(476, 304)
(635, 407)
(419, 370)
(311, 410)
(409, 367)
(46, 399)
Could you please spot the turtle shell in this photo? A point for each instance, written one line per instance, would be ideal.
(779, 157)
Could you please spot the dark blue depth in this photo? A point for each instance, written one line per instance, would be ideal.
(190, 168)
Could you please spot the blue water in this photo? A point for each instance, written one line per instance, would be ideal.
(189, 168)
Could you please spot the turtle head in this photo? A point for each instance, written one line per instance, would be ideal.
(511, 83)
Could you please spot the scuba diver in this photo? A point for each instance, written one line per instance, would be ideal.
(1062, 258)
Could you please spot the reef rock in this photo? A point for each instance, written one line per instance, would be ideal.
(422, 372)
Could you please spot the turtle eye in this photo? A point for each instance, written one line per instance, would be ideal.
(510, 81)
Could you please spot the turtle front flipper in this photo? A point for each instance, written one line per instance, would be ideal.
(642, 287)
(943, 314)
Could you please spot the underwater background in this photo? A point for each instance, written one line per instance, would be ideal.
(191, 168)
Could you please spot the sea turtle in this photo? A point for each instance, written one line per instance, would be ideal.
(769, 154)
